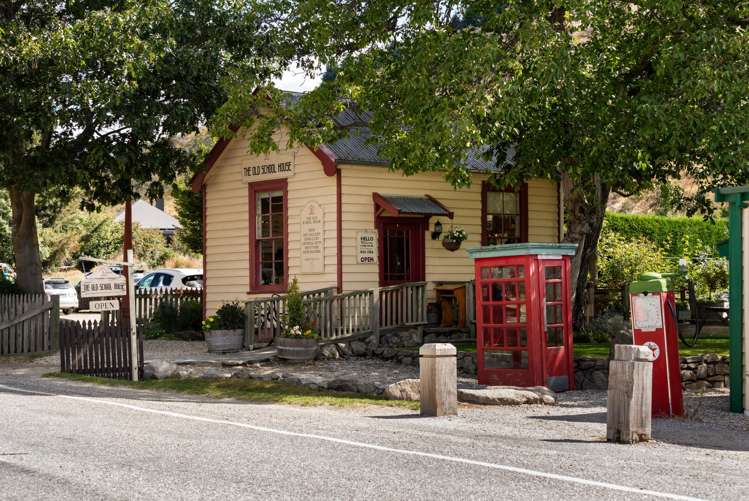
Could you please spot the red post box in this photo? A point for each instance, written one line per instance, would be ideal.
(654, 324)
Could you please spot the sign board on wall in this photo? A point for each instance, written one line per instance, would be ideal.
(103, 282)
(105, 305)
(366, 247)
(312, 238)
(274, 166)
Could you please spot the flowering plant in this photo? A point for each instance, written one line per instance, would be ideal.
(296, 324)
(456, 234)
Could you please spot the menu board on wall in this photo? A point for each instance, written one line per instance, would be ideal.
(274, 166)
(366, 247)
(312, 238)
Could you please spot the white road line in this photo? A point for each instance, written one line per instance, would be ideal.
(363, 445)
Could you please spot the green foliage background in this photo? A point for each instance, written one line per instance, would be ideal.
(676, 236)
(632, 244)
(6, 249)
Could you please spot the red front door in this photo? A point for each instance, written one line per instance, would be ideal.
(556, 311)
(508, 352)
(401, 243)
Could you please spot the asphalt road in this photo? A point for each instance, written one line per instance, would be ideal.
(63, 440)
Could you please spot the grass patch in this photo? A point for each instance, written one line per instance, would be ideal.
(249, 390)
(718, 345)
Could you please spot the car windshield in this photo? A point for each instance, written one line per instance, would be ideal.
(193, 281)
(57, 285)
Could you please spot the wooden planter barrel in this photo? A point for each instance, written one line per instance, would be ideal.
(224, 341)
(296, 349)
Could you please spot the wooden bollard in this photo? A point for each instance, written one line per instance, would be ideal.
(438, 368)
(630, 394)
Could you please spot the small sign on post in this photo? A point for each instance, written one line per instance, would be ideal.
(105, 305)
(103, 282)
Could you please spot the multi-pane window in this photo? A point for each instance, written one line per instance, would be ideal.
(269, 237)
(502, 217)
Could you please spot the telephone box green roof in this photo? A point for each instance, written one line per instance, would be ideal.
(527, 249)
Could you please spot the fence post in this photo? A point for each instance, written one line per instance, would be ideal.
(374, 304)
(438, 374)
(249, 329)
(630, 394)
(54, 324)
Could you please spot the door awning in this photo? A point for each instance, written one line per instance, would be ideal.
(403, 205)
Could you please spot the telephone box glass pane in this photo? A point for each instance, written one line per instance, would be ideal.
(506, 359)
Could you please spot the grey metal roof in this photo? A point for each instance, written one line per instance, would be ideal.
(150, 217)
(416, 205)
(357, 147)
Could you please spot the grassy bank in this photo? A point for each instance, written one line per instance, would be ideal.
(704, 345)
(248, 390)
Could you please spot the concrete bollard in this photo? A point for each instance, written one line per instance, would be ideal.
(630, 396)
(438, 368)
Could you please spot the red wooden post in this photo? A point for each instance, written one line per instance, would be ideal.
(127, 245)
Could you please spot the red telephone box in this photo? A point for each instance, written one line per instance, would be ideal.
(655, 325)
(523, 315)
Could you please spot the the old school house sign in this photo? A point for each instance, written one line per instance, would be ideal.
(274, 166)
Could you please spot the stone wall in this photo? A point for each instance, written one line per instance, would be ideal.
(700, 372)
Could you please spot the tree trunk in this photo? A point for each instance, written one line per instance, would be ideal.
(25, 241)
(585, 210)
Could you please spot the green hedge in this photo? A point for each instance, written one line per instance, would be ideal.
(675, 236)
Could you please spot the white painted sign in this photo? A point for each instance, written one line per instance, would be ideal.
(276, 166)
(105, 305)
(646, 312)
(366, 247)
(312, 238)
(103, 282)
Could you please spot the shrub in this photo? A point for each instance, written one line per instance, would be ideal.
(230, 316)
(182, 321)
(710, 276)
(150, 247)
(621, 259)
(675, 236)
(296, 318)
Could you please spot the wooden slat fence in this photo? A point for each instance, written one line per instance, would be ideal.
(148, 301)
(265, 316)
(97, 349)
(339, 316)
(29, 323)
(403, 305)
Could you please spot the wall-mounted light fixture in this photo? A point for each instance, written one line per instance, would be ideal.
(437, 230)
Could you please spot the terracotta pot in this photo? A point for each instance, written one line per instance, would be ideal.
(224, 341)
(450, 245)
(296, 349)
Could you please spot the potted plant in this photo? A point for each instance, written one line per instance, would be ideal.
(453, 238)
(224, 331)
(298, 341)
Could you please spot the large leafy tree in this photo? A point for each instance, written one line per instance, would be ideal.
(607, 96)
(92, 91)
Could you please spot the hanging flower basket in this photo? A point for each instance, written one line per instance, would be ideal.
(454, 238)
(451, 245)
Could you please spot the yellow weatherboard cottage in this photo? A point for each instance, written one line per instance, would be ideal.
(337, 216)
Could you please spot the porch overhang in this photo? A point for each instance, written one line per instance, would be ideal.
(403, 205)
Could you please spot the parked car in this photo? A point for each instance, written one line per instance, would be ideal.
(65, 290)
(172, 278)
